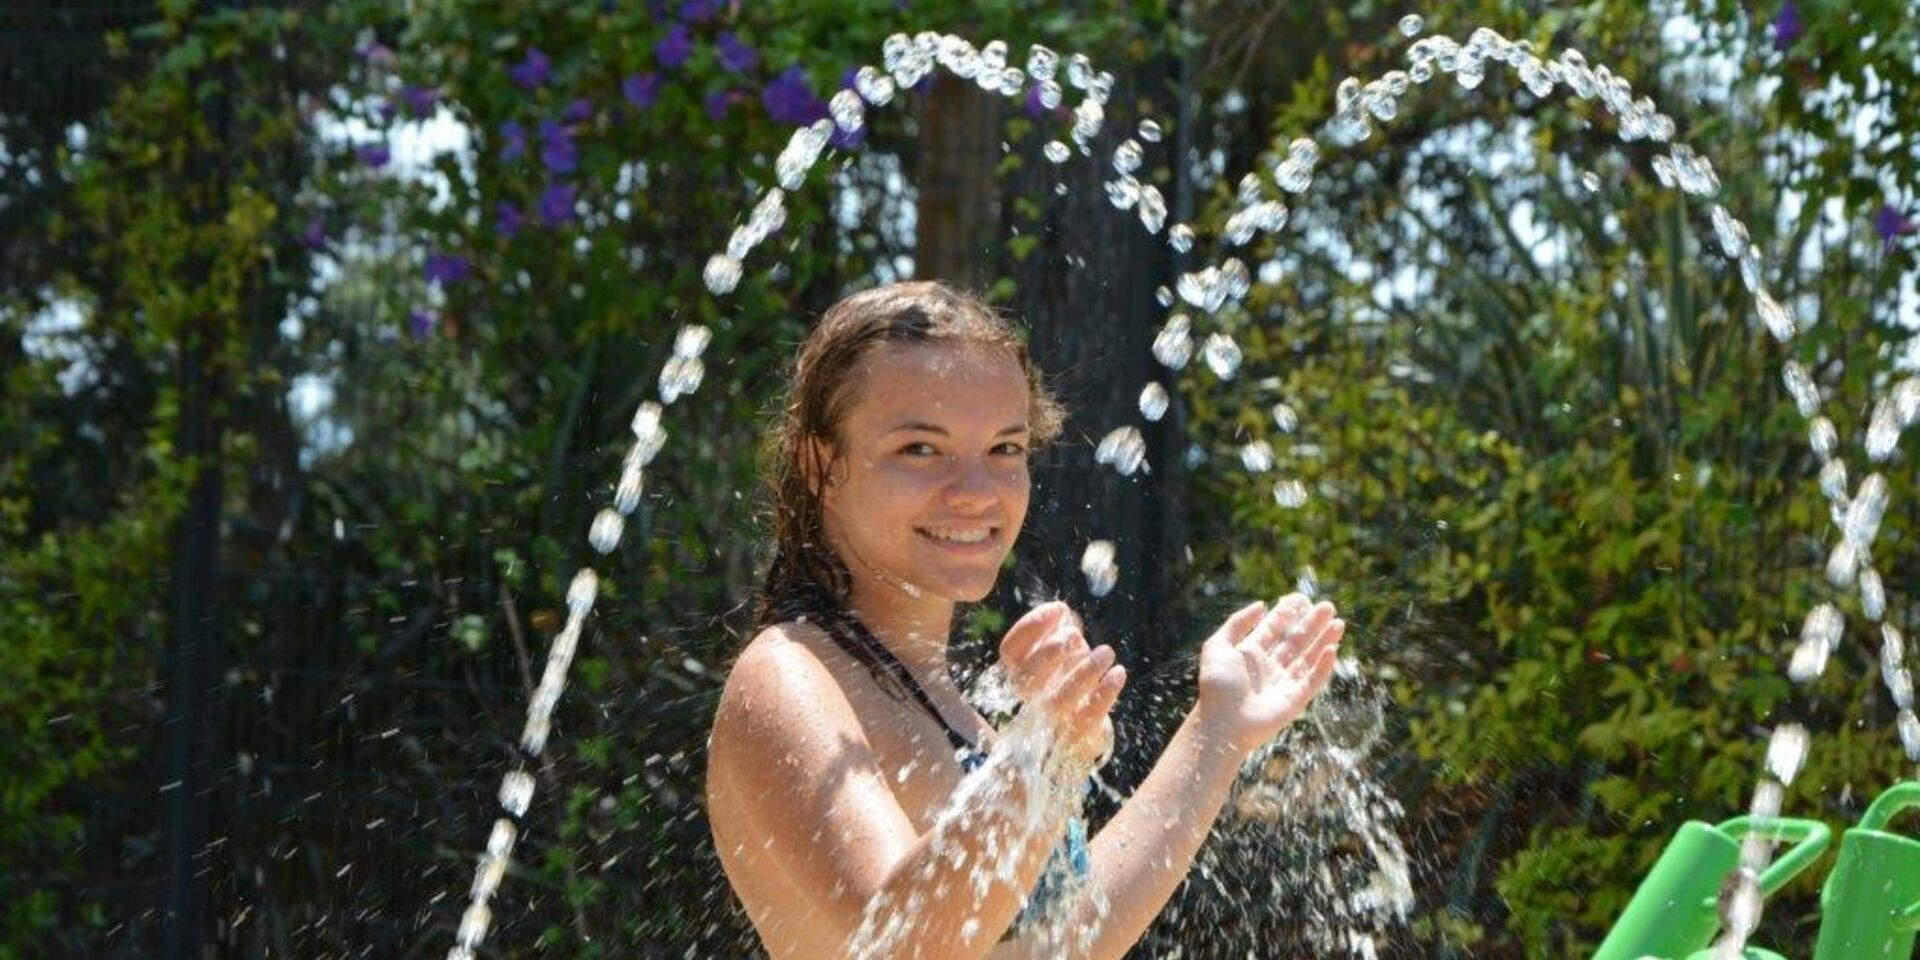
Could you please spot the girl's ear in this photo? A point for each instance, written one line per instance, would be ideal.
(818, 464)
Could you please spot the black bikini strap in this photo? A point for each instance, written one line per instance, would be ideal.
(853, 636)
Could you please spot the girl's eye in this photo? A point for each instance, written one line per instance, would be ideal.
(918, 449)
(1010, 449)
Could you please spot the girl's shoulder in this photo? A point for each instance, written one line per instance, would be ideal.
(784, 668)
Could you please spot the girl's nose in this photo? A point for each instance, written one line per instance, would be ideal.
(971, 482)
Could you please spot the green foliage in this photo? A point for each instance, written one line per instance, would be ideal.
(1558, 487)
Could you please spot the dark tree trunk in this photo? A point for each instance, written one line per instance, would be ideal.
(192, 657)
(960, 136)
(1087, 291)
(191, 665)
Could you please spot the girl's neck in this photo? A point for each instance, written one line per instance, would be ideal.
(913, 628)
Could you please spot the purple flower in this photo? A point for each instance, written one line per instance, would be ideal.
(580, 110)
(720, 101)
(314, 237)
(1787, 26)
(420, 101)
(513, 141)
(533, 71)
(736, 55)
(378, 54)
(508, 220)
(641, 89)
(557, 151)
(675, 48)
(420, 323)
(699, 11)
(556, 203)
(790, 100)
(841, 139)
(446, 269)
(374, 155)
(1891, 225)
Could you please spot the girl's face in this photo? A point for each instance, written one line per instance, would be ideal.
(930, 486)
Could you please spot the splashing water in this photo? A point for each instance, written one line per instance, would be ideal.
(1307, 786)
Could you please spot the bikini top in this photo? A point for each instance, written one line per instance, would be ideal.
(1069, 862)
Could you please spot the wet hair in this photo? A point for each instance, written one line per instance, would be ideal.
(807, 580)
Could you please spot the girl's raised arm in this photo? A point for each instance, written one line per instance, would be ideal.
(1258, 673)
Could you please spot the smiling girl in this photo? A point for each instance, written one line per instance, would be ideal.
(839, 750)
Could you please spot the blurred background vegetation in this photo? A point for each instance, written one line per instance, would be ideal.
(321, 325)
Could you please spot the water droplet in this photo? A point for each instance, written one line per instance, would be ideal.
(1285, 418)
(1663, 170)
(1910, 734)
(680, 376)
(1591, 181)
(1042, 63)
(486, 881)
(1127, 156)
(1833, 479)
(1800, 386)
(1420, 71)
(802, 150)
(1346, 96)
(1308, 583)
(516, 792)
(1079, 71)
(1290, 493)
(1294, 175)
(1535, 75)
(1087, 118)
(1051, 96)
(1202, 288)
(1162, 294)
(1731, 233)
(1149, 131)
(1864, 514)
(1842, 563)
(473, 925)
(1883, 430)
(1180, 238)
(1173, 345)
(1101, 89)
(1153, 402)
(1124, 448)
(1470, 71)
(1123, 192)
(895, 50)
(1786, 751)
(1380, 103)
(691, 340)
(1819, 636)
(1222, 355)
(1257, 456)
(1873, 595)
(581, 592)
(1411, 25)
(848, 111)
(604, 535)
(1057, 152)
(722, 274)
(1098, 566)
(1153, 208)
(1822, 437)
(626, 496)
(876, 87)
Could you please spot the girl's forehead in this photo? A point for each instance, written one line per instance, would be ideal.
(954, 380)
